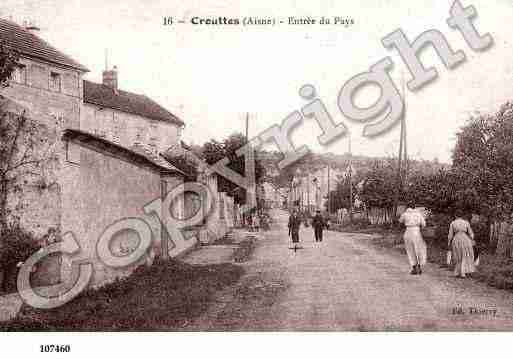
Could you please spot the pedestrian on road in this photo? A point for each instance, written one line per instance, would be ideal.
(256, 223)
(461, 240)
(249, 222)
(413, 241)
(294, 224)
(318, 224)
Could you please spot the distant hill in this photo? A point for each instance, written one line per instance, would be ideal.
(316, 161)
(337, 162)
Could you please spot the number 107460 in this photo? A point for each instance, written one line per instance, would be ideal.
(55, 348)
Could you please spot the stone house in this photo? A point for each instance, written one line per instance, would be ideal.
(106, 146)
(126, 118)
(48, 88)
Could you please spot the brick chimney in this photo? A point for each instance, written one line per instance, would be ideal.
(110, 78)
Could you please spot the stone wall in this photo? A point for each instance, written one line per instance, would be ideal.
(101, 189)
(84, 190)
(38, 204)
(174, 212)
(59, 109)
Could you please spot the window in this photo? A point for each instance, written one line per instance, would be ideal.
(59, 119)
(102, 133)
(139, 135)
(19, 75)
(55, 82)
(38, 76)
(154, 134)
(116, 129)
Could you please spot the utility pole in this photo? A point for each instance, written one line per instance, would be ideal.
(329, 193)
(247, 126)
(301, 195)
(406, 161)
(250, 169)
(399, 177)
(350, 181)
(290, 198)
(308, 192)
(402, 152)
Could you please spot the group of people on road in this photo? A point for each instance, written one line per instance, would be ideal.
(259, 221)
(319, 224)
(461, 242)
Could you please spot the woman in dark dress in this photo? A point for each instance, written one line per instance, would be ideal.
(294, 224)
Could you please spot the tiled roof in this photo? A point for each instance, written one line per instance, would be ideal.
(104, 96)
(136, 154)
(153, 157)
(32, 46)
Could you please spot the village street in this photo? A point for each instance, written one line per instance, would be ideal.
(347, 283)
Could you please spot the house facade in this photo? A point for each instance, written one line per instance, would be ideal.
(105, 163)
(126, 118)
(48, 88)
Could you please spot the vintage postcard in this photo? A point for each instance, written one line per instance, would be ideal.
(255, 166)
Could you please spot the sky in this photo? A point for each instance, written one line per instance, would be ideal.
(211, 76)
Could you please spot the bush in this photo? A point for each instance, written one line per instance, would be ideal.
(16, 245)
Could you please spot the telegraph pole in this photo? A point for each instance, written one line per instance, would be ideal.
(350, 181)
(250, 169)
(308, 192)
(406, 161)
(247, 126)
(402, 152)
(399, 177)
(329, 193)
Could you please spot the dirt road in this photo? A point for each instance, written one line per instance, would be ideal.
(346, 283)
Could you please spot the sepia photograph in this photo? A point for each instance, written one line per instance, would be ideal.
(170, 169)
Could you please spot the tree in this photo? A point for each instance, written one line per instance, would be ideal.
(442, 192)
(339, 198)
(24, 148)
(378, 187)
(482, 157)
(9, 61)
(214, 151)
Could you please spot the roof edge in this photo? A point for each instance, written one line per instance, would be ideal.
(80, 68)
(175, 119)
(127, 154)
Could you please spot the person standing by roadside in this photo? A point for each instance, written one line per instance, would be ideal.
(461, 240)
(249, 221)
(256, 222)
(318, 224)
(294, 224)
(413, 241)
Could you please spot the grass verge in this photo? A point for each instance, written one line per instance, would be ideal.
(165, 296)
